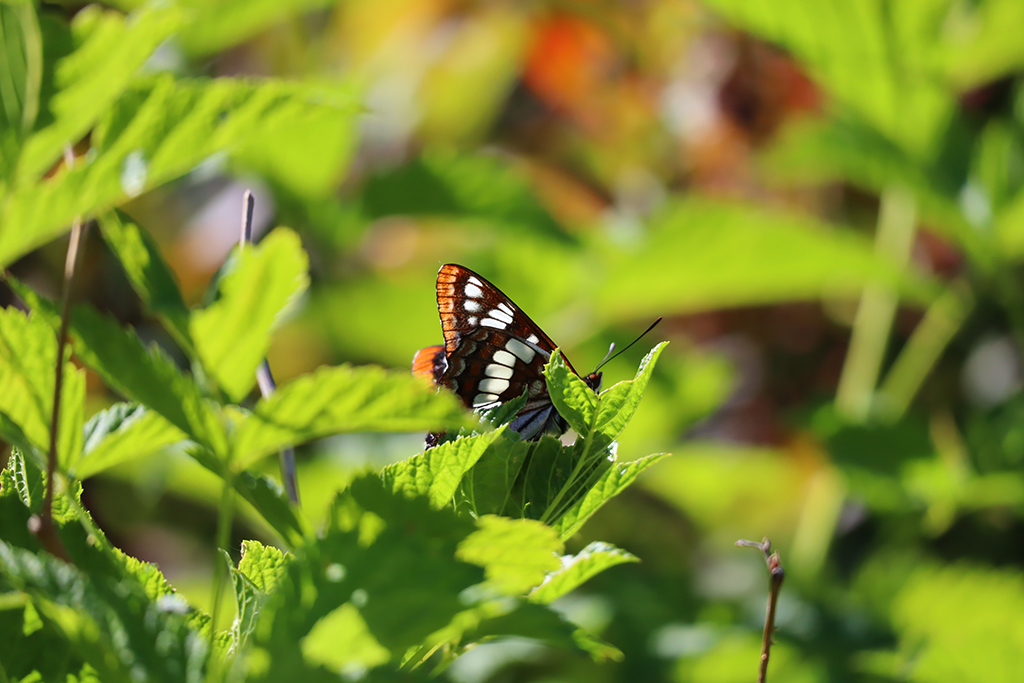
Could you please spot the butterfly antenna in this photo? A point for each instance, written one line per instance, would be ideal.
(609, 357)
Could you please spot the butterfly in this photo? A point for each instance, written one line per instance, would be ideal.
(492, 353)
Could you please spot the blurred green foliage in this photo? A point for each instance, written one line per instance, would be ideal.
(824, 200)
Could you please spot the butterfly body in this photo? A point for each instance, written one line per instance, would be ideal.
(492, 352)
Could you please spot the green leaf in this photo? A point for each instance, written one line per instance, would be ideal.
(438, 472)
(232, 335)
(579, 568)
(262, 565)
(872, 57)
(515, 553)
(109, 49)
(111, 624)
(28, 358)
(216, 26)
(22, 55)
(390, 556)
(703, 255)
(150, 276)
(610, 484)
(342, 399)
(489, 485)
(123, 432)
(961, 622)
(145, 375)
(158, 130)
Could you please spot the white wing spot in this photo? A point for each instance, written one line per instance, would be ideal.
(500, 371)
(501, 315)
(471, 306)
(491, 322)
(521, 350)
(493, 386)
(474, 281)
(483, 399)
(503, 306)
(473, 291)
(504, 358)
(471, 321)
(533, 339)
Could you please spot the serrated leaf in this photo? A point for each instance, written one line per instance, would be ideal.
(438, 472)
(145, 375)
(150, 276)
(262, 565)
(610, 484)
(341, 641)
(232, 335)
(110, 623)
(488, 487)
(516, 554)
(121, 433)
(28, 355)
(579, 568)
(109, 49)
(343, 399)
(158, 130)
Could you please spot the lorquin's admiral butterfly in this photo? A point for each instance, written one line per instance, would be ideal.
(492, 353)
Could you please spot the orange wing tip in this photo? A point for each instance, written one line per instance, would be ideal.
(429, 363)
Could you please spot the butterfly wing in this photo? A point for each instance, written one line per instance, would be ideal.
(494, 352)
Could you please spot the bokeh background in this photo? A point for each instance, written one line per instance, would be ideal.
(822, 198)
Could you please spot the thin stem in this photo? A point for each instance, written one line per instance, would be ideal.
(870, 336)
(775, 577)
(225, 513)
(46, 531)
(264, 378)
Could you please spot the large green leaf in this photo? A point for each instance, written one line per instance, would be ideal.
(232, 335)
(704, 255)
(341, 399)
(28, 359)
(152, 279)
(160, 129)
(109, 49)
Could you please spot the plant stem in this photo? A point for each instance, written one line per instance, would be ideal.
(893, 240)
(264, 378)
(46, 532)
(775, 578)
(225, 512)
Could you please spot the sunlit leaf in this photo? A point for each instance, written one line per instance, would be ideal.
(342, 399)
(158, 130)
(28, 358)
(120, 433)
(438, 472)
(577, 569)
(610, 484)
(232, 334)
(515, 553)
(109, 49)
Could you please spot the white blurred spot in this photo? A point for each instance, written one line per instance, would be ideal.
(992, 372)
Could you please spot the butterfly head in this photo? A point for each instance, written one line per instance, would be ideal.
(593, 380)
